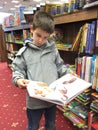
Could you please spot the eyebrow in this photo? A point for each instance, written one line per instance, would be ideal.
(41, 36)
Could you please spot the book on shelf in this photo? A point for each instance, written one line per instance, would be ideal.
(94, 125)
(94, 96)
(92, 37)
(83, 67)
(88, 68)
(93, 68)
(79, 109)
(83, 38)
(96, 44)
(76, 120)
(77, 40)
(96, 71)
(78, 65)
(88, 38)
(60, 92)
(95, 76)
(90, 115)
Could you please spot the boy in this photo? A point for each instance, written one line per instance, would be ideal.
(39, 60)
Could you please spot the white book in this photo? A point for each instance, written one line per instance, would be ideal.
(60, 92)
(88, 68)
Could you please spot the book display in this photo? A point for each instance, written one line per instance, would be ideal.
(77, 32)
(82, 110)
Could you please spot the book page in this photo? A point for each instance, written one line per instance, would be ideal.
(60, 91)
(41, 90)
(70, 86)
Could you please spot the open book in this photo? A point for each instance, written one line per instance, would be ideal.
(60, 92)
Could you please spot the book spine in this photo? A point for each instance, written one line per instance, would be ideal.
(79, 66)
(88, 69)
(93, 70)
(83, 67)
(88, 38)
(84, 38)
(22, 18)
(96, 72)
(90, 117)
(92, 38)
(76, 42)
(95, 80)
(96, 35)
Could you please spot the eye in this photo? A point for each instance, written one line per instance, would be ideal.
(38, 35)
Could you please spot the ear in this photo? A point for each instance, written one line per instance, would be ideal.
(31, 28)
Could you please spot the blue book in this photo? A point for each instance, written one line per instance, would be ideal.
(92, 37)
(22, 18)
(96, 35)
(88, 39)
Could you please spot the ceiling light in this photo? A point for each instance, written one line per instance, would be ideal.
(15, 1)
(5, 2)
(37, 0)
(1, 7)
(17, 6)
(65, 1)
(12, 8)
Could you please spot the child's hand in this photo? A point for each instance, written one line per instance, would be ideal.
(22, 83)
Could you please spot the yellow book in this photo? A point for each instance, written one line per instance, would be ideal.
(83, 38)
(76, 43)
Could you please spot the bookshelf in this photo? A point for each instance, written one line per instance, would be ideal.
(70, 24)
(14, 37)
(3, 56)
(82, 15)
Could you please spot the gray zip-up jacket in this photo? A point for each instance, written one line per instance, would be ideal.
(38, 64)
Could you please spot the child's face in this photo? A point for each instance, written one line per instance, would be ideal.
(40, 36)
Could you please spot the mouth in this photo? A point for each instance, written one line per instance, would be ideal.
(39, 44)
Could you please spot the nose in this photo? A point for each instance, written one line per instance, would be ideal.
(40, 39)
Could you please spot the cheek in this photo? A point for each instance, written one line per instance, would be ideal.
(34, 37)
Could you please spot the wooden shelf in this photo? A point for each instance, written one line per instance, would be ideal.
(14, 28)
(86, 14)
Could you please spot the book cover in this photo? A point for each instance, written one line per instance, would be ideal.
(83, 38)
(92, 37)
(60, 92)
(76, 42)
(88, 38)
(22, 18)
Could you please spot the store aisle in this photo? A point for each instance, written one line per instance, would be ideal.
(12, 105)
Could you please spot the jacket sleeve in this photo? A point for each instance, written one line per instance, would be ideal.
(19, 67)
(61, 67)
